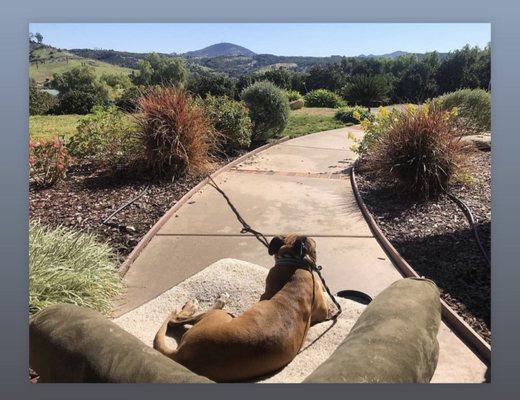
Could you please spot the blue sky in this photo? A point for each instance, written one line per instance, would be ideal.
(348, 39)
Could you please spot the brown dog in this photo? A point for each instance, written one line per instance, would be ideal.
(268, 335)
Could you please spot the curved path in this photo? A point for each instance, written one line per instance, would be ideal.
(301, 185)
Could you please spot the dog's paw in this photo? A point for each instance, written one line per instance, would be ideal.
(221, 301)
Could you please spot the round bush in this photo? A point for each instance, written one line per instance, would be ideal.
(268, 109)
(323, 98)
(292, 95)
(474, 105)
(231, 119)
(352, 115)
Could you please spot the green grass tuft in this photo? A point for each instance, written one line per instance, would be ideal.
(70, 267)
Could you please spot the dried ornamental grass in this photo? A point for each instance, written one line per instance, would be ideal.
(419, 152)
(70, 267)
(177, 134)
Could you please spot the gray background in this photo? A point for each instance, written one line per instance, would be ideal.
(15, 17)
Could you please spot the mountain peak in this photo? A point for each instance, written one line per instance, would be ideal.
(220, 49)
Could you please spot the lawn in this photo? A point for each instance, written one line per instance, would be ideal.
(310, 120)
(47, 126)
(301, 122)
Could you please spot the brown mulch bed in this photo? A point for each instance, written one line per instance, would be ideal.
(436, 240)
(85, 198)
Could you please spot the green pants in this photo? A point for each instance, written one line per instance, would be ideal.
(394, 340)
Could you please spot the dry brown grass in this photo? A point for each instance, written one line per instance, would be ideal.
(178, 136)
(322, 111)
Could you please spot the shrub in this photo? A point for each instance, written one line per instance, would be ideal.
(474, 106)
(78, 102)
(80, 90)
(352, 114)
(107, 138)
(292, 95)
(176, 132)
(40, 102)
(367, 90)
(128, 100)
(323, 98)
(268, 109)
(417, 151)
(116, 81)
(49, 161)
(297, 104)
(70, 267)
(231, 119)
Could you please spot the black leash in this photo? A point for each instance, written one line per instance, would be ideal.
(246, 227)
(262, 239)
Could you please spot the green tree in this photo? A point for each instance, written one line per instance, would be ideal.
(39, 37)
(80, 90)
(329, 77)
(465, 68)
(414, 80)
(39, 102)
(160, 70)
(215, 84)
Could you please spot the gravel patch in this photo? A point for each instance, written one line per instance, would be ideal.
(436, 240)
(245, 282)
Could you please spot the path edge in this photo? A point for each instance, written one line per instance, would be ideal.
(129, 260)
(453, 320)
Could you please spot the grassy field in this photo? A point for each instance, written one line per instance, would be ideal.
(61, 61)
(301, 122)
(47, 126)
(310, 120)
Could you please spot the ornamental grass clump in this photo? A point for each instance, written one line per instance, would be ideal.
(417, 151)
(177, 134)
(70, 267)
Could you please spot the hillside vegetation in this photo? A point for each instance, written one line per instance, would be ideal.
(46, 61)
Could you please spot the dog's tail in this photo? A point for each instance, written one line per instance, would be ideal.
(159, 342)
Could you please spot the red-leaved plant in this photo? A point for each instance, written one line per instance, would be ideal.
(49, 161)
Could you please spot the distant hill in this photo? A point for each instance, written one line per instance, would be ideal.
(220, 49)
(228, 58)
(397, 54)
(44, 61)
(392, 55)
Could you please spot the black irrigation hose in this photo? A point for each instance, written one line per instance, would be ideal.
(467, 212)
(126, 204)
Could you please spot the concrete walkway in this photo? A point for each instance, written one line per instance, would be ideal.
(301, 185)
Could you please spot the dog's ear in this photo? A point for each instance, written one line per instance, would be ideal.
(275, 244)
(300, 246)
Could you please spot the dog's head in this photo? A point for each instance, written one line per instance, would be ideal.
(297, 246)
